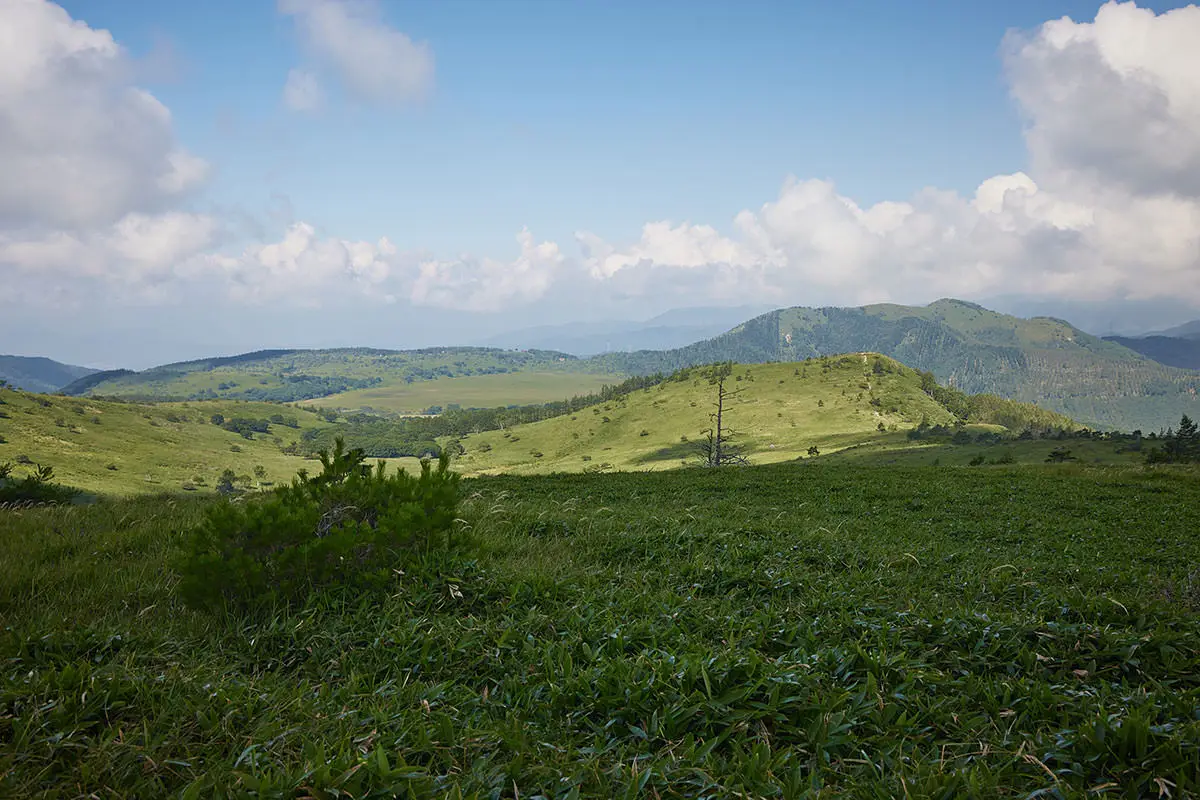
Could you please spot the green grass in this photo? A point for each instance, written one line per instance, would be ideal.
(476, 391)
(829, 630)
(896, 449)
(153, 447)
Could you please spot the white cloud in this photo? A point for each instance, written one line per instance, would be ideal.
(79, 146)
(138, 247)
(486, 284)
(375, 62)
(1114, 102)
(302, 92)
(1110, 207)
(307, 269)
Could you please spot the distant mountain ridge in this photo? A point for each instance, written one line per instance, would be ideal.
(1174, 351)
(1041, 360)
(1188, 330)
(38, 374)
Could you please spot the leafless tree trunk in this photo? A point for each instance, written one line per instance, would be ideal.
(717, 449)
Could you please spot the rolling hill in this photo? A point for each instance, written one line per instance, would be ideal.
(36, 374)
(1041, 360)
(779, 412)
(131, 448)
(293, 375)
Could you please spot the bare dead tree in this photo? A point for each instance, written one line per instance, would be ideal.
(717, 449)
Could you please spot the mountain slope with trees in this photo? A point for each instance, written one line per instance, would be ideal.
(1041, 360)
(37, 374)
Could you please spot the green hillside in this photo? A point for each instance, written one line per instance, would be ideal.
(470, 391)
(36, 374)
(130, 448)
(293, 375)
(778, 413)
(1040, 360)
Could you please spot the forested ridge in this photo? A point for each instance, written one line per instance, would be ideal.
(1041, 360)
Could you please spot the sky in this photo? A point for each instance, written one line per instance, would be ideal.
(185, 179)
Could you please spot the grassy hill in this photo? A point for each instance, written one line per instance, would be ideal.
(1040, 360)
(292, 375)
(36, 374)
(779, 412)
(129, 448)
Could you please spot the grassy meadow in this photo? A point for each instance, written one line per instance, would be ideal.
(136, 448)
(474, 391)
(809, 629)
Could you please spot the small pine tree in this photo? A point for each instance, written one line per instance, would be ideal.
(1187, 440)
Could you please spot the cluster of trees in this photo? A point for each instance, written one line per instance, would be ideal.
(247, 426)
(1181, 446)
(988, 409)
(293, 388)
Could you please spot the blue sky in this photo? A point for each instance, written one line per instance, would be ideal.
(225, 169)
(597, 115)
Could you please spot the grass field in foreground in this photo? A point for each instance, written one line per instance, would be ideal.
(781, 631)
(475, 391)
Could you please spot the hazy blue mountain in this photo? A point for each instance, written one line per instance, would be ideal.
(1173, 351)
(1100, 317)
(1188, 330)
(671, 329)
(37, 374)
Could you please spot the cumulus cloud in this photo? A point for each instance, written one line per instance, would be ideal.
(91, 172)
(307, 269)
(486, 284)
(1109, 208)
(374, 62)
(79, 145)
(1114, 102)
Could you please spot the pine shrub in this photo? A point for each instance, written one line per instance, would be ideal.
(36, 488)
(350, 526)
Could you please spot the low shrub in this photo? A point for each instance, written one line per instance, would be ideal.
(349, 526)
(36, 488)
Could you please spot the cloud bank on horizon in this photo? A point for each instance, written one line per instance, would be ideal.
(98, 196)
